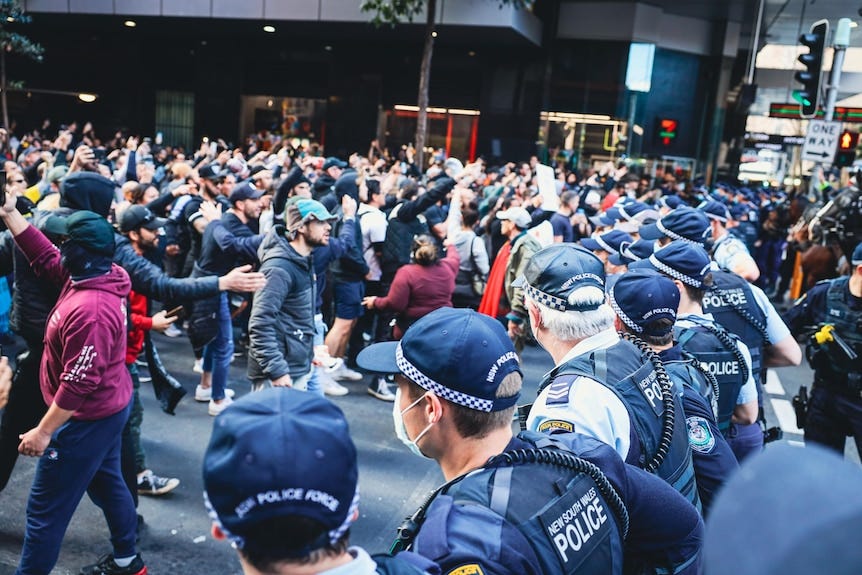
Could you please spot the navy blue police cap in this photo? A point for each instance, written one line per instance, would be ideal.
(632, 252)
(281, 452)
(457, 354)
(684, 223)
(793, 511)
(715, 211)
(608, 241)
(683, 261)
(554, 273)
(642, 297)
(857, 256)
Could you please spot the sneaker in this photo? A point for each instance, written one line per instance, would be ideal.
(145, 378)
(198, 366)
(151, 484)
(173, 331)
(203, 394)
(332, 387)
(107, 566)
(216, 408)
(381, 389)
(344, 373)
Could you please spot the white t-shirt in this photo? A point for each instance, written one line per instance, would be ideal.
(373, 224)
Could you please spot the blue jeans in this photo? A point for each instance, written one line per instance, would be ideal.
(219, 352)
(84, 456)
(319, 333)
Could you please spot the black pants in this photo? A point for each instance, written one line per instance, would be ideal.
(832, 417)
(25, 409)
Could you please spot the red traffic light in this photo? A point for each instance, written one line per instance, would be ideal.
(848, 140)
(667, 131)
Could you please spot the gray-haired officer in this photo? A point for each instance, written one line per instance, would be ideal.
(602, 385)
(530, 504)
(720, 352)
(833, 309)
(646, 304)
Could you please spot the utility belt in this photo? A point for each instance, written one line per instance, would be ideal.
(848, 385)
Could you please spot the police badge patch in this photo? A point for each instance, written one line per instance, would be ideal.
(700, 436)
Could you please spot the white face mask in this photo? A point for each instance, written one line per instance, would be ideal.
(401, 429)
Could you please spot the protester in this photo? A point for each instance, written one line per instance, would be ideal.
(87, 387)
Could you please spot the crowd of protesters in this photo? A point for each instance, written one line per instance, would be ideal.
(298, 262)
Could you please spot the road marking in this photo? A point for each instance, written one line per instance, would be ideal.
(773, 384)
(786, 415)
(795, 443)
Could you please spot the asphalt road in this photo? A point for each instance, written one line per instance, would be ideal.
(177, 539)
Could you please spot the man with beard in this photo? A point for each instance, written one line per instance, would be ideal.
(281, 327)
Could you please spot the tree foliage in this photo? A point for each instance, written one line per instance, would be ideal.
(11, 15)
(392, 11)
(13, 42)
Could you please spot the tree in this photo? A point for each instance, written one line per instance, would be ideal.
(393, 12)
(11, 13)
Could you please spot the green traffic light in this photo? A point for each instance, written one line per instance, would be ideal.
(797, 95)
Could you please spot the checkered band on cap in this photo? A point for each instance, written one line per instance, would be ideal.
(558, 303)
(412, 372)
(622, 210)
(673, 273)
(622, 315)
(673, 235)
(546, 299)
(605, 245)
(628, 253)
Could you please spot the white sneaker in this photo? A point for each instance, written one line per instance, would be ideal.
(173, 331)
(206, 393)
(199, 366)
(216, 408)
(344, 373)
(381, 389)
(330, 386)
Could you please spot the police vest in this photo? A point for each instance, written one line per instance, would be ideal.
(724, 362)
(630, 375)
(399, 240)
(828, 358)
(689, 373)
(732, 304)
(545, 509)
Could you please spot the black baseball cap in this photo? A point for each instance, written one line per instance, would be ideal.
(88, 229)
(136, 217)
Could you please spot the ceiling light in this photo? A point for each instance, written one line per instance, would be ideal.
(433, 34)
(130, 23)
(88, 98)
(328, 48)
(471, 53)
(269, 29)
(10, 19)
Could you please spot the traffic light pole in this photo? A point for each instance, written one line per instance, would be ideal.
(839, 45)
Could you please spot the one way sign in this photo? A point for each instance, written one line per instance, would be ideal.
(821, 141)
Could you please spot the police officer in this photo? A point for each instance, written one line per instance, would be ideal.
(602, 386)
(501, 511)
(646, 304)
(721, 353)
(835, 407)
(728, 251)
(281, 484)
(742, 309)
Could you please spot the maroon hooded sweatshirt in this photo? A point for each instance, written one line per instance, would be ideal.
(84, 364)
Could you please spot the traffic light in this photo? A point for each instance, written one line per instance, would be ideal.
(667, 131)
(846, 153)
(809, 96)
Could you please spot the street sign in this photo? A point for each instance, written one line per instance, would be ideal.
(821, 141)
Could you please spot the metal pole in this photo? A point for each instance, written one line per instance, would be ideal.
(754, 45)
(839, 45)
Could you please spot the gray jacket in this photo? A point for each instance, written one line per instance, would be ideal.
(281, 327)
